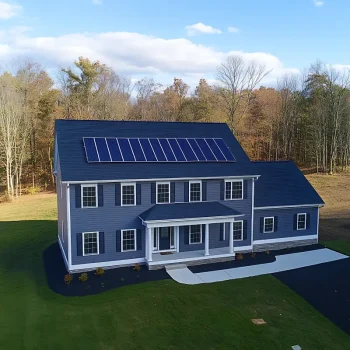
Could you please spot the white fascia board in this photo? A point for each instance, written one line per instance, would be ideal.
(164, 179)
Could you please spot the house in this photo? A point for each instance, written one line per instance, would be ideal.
(162, 193)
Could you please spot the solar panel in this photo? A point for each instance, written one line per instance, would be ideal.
(100, 149)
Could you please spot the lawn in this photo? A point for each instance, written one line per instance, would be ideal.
(154, 315)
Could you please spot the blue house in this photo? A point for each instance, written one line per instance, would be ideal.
(163, 193)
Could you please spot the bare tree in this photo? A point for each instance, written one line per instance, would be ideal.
(238, 79)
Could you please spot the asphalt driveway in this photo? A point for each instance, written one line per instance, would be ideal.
(326, 287)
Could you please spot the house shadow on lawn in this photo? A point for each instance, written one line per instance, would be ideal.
(112, 278)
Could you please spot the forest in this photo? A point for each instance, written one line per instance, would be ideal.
(305, 117)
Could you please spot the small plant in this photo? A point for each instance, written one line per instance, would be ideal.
(102, 285)
(99, 271)
(137, 267)
(83, 277)
(240, 256)
(253, 255)
(267, 252)
(68, 279)
(33, 190)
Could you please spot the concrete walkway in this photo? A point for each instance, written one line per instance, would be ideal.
(285, 262)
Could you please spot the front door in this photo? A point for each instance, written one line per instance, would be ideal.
(164, 238)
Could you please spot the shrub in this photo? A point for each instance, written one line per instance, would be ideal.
(239, 256)
(99, 271)
(83, 277)
(267, 252)
(6, 198)
(137, 267)
(33, 190)
(253, 255)
(68, 279)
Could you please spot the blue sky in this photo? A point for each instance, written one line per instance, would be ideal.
(180, 38)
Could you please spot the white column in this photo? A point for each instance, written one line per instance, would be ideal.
(177, 237)
(206, 239)
(231, 238)
(149, 243)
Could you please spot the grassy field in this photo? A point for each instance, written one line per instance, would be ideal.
(155, 315)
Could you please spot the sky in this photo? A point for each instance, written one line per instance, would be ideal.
(186, 39)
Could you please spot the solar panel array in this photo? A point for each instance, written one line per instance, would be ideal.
(101, 149)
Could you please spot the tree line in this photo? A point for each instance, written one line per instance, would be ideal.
(305, 118)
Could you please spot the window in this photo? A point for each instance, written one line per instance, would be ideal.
(90, 243)
(301, 221)
(234, 189)
(163, 192)
(195, 234)
(195, 191)
(128, 194)
(238, 231)
(128, 240)
(89, 196)
(268, 224)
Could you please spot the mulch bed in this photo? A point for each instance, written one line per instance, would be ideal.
(112, 278)
(326, 287)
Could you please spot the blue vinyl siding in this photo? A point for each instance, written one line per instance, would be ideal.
(285, 223)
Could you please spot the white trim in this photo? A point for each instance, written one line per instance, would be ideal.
(121, 240)
(233, 199)
(156, 232)
(273, 224)
(245, 248)
(252, 218)
(289, 206)
(62, 230)
(162, 183)
(191, 233)
(189, 190)
(69, 240)
(177, 230)
(178, 179)
(123, 184)
(98, 242)
(305, 224)
(104, 264)
(192, 221)
(286, 239)
(61, 188)
(63, 253)
(318, 222)
(242, 230)
(81, 194)
(224, 232)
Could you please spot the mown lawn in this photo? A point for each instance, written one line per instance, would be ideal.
(156, 315)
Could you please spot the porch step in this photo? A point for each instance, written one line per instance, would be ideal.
(175, 266)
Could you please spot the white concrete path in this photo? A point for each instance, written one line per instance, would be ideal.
(282, 263)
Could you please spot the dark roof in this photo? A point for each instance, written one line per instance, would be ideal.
(282, 183)
(74, 166)
(187, 211)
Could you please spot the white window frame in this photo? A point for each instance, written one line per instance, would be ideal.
(190, 233)
(233, 199)
(301, 229)
(135, 240)
(98, 243)
(62, 232)
(238, 240)
(124, 184)
(273, 224)
(189, 191)
(96, 189)
(162, 183)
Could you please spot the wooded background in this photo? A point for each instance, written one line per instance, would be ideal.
(306, 118)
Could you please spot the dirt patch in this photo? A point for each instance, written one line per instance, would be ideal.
(335, 216)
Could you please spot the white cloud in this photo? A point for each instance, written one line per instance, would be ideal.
(97, 2)
(318, 3)
(201, 28)
(8, 10)
(233, 29)
(130, 53)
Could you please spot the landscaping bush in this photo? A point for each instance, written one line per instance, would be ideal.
(68, 279)
(253, 255)
(83, 277)
(137, 267)
(33, 190)
(99, 271)
(267, 252)
(240, 256)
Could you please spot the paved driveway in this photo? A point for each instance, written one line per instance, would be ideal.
(326, 287)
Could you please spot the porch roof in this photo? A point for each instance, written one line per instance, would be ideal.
(178, 211)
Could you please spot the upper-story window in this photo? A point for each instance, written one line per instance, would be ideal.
(163, 192)
(89, 196)
(128, 194)
(269, 224)
(195, 189)
(301, 221)
(233, 189)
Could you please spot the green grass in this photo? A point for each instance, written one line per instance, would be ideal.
(155, 315)
(339, 246)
